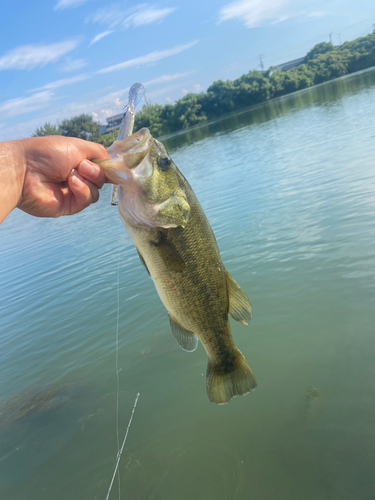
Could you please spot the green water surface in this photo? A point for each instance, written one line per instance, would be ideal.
(289, 189)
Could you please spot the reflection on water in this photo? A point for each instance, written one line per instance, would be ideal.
(289, 189)
(319, 96)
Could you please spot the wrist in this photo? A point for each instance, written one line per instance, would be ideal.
(12, 174)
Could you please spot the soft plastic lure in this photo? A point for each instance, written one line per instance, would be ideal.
(136, 93)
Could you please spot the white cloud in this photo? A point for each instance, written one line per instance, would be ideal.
(111, 102)
(285, 17)
(198, 87)
(146, 15)
(254, 12)
(73, 65)
(32, 56)
(100, 108)
(20, 130)
(141, 15)
(103, 107)
(319, 13)
(110, 16)
(162, 92)
(167, 78)
(64, 81)
(85, 76)
(23, 105)
(69, 4)
(149, 58)
(100, 36)
(106, 113)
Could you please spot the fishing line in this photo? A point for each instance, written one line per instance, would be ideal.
(122, 447)
(119, 450)
(117, 368)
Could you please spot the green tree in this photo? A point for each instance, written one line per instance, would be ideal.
(320, 48)
(221, 95)
(47, 129)
(150, 117)
(189, 111)
(330, 65)
(82, 126)
(108, 139)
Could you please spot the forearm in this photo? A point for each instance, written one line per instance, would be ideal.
(12, 173)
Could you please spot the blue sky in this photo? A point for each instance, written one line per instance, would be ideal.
(62, 58)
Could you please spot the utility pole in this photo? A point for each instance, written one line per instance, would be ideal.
(330, 37)
(261, 61)
(339, 37)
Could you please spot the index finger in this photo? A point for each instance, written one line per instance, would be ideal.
(92, 150)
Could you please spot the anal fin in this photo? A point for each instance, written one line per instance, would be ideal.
(186, 340)
(239, 305)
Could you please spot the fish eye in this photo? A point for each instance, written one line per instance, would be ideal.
(164, 162)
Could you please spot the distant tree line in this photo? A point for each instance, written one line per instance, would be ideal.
(323, 63)
(82, 126)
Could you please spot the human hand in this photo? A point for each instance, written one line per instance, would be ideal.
(58, 178)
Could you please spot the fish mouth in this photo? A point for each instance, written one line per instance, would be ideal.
(136, 142)
(114, 169)
(126, 155)
(135, 148)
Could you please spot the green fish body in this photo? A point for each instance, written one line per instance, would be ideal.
(178, 248)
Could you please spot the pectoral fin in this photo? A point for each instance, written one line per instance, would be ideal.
(186, 340)
(168, 252)
(239, 305)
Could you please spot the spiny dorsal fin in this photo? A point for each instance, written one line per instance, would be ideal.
(239, 305)
(186, 340)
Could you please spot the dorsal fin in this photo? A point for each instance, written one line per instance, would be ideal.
(239, 305)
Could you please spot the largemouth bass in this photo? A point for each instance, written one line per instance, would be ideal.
(178, 249)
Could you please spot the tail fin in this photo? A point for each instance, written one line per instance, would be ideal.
(223, 386)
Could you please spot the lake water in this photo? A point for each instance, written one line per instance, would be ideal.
(289, 189)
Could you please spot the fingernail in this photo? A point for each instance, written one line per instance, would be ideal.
(88, 168)
(76, 181)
